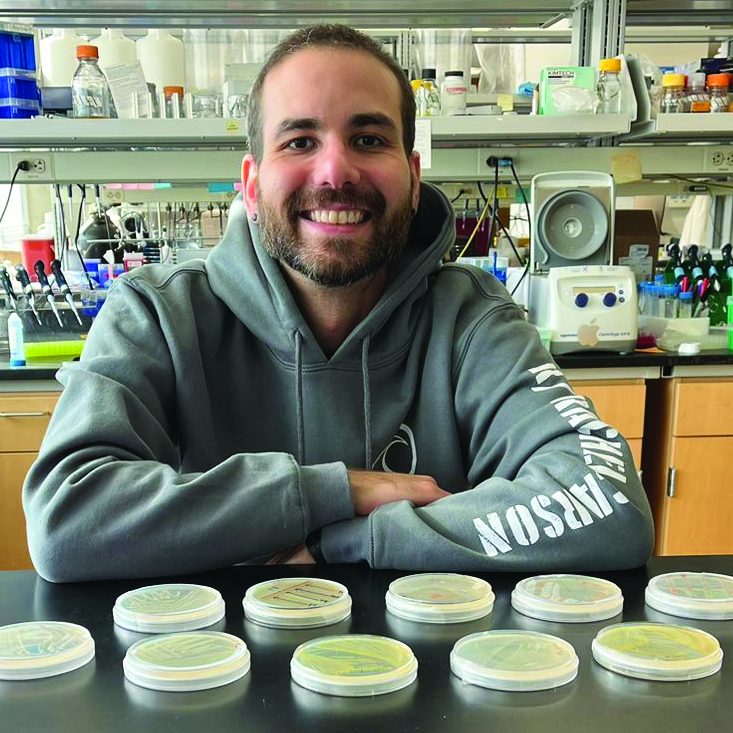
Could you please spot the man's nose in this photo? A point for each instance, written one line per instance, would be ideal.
(336, 165)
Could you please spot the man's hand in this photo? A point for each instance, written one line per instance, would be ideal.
(371, 489)
(298, 555)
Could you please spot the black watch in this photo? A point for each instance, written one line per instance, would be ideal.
(313, 544)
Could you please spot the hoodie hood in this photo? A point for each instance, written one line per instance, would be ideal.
(250, 283)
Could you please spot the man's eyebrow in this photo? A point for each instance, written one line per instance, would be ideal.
(369, 119)
(297, 123)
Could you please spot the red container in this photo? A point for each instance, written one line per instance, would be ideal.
(36, 247)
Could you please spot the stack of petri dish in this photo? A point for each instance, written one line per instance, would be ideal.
(439, 598)
(168, 608)
(188, 661)
(357, 665)
(662, 652)
(567, 598)
(297, 603)
(514, 661)
(692, 595)
(37, 649)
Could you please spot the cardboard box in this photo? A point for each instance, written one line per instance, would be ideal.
(636, 242)
(556, 93)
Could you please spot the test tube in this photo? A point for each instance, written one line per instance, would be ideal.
(685, 305)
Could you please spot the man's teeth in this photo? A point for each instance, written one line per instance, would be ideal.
(329, 216)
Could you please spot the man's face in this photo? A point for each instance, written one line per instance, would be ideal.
(334, 191)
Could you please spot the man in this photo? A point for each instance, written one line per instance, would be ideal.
(323, 388)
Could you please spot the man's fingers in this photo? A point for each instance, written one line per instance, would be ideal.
(371, 489)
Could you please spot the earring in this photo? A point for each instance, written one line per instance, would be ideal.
(253, 218)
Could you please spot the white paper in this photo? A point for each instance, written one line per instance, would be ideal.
(125, 82)
(424, 141)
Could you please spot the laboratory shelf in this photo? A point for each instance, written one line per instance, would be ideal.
(684, 127)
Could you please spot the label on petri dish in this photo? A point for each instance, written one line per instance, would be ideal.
(441, 588)
(354, 656)
(568, 589)
(169, 599)
(297, 593)
(189, 650)
(698, 586)
(658, 642)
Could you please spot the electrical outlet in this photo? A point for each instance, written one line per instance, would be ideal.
(39, 165)
(718, 161)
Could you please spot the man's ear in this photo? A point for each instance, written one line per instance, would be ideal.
(415, 176)
(249, 184)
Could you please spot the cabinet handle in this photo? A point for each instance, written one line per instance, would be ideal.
(24, 414)
(671, 482)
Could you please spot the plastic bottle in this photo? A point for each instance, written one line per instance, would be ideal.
(698, 99)
(718, 87)
(609, 87)
(173, 96)
(674, 91)
(89, 89)
(427, 97)
(16, 342)
(453, 94)
(58, 57)
(162, 59)
(114, 49)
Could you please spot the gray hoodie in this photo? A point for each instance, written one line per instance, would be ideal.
(204, 427)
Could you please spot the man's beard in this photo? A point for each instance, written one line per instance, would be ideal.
(349, 261)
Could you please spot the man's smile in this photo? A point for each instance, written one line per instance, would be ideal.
(337, 216)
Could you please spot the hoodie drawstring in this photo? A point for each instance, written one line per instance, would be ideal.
(299, 396)
(367, 400)
(367, 403)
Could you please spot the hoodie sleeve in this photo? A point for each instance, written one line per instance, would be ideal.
(553, 488)
(106, 497)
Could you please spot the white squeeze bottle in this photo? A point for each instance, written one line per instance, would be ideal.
(114, 48)
(58, 57)
(16, 342)
(161, 56)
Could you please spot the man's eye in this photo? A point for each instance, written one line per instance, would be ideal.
(369, 141)
(300, 143)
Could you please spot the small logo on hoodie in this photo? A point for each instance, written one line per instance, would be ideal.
(400, 455)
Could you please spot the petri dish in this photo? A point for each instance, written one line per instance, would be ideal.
(652, 651)
(439, 598)
(167, 608)
(38, 649)
(297, 603)
(567, 598)
(356, 665)
(514, 661)
(188, 661)
(692, 595)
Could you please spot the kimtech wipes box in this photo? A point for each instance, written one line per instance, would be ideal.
(567, 90)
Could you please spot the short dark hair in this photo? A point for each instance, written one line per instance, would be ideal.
(328, 36)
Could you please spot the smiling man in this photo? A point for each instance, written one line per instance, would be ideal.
(324, 388)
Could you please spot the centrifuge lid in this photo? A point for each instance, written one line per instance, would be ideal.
(439, 597)
(653, 651)
(356, 665)
(568, 598)
(38, 649)
(167, 608)
(514, 661)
